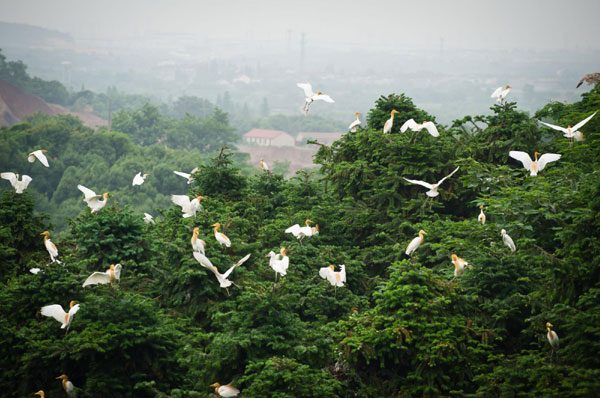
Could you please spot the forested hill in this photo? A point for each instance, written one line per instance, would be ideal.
(401, 326)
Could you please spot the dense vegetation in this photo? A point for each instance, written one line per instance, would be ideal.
(400, 327)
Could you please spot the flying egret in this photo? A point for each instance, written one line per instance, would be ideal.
(310, 96)
(50, 247)
(203, 260)
(198, 245)
(188, 207)
(387, 127)
(301, 232)
(571, 132)
(500, 93)
(221, 237)
(56, 311)
(534, 166)
(39, 154)
(40, 393)
(13, 178)
(590, 78)
(279, 262)
(433, 188)
(93, 201)
(226, 391)
(109, 276)
(508, 241)
(148, 218)
(552, 338)
(459, 265)
(354, 125)
(481, 217)
(415, 243)
(222, 278)
(139, 179)
(66, 384)
(334, 278)
(414, 126)
(186, 175)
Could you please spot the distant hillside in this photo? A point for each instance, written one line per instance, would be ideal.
(23, 35)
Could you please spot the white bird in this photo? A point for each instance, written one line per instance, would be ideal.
(552, 338)
(508, 241)
(226, 391)
(109, 276)
(188, 207)
(50, 247)
(415, 243)
(264, 166)
(203, 260)
(433, 188)
(310, 96)
(481, 217)
(302, 232)
(93, 201)
(222, 278)
(139, 179)
(354, 125)
(186, 175)
(571, 132)
(334, 278)
(66, 384)
(13, 178)
(148, 218)
(221, 237)
(414, 126)
(198, 245)
(34, 271)
(534, 166)
(387, 127)
(39, 154)
(459, 265)
(56, 311)
(500, 93)
(279, 262)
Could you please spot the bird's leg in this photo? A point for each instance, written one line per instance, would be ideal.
(275, 276)
(227, 290)
(335, 291)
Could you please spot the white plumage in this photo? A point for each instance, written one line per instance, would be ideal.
(552, 337)
(279, 262)
(508, 240)
(93, 201)
(221, 237)
(333, 277)
(302, 232)
(39, 154)
(148, 218)
(500, 93)
(387, 127)
(188, 207)
(198, 244)
(537, 165)
(222, 278)
(481, 217)
(110, 275)
(187, 176)
(310, 96)
(571, 132)
(225, 391)
(459, 265)
(50, 247)
(139, 179)
(13, 178)
(354, 125)
(433, 188)
(56, 311)
(414, 126)
(415, 243)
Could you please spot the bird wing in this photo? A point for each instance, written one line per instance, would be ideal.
(294, 229)
(496, 93)
(203, 260)
(97, 278)
(432, 129)
(564, 130)
(325, 272)
(323, 97)
(41, 157)
(419, 182)
(25, 180)
(409, 124)
(138, 179)
(184, 175)
(118, 268)
(547, 158)
(242, 260)
(584, 121)
(12, 177)
(412, 245)
(181, 200)
(55, 311)
(354, 124)
(521, 157)
(448, 176)
(228, 391)
(87, 193)
(343, 273)
(73, 310)
(285, 262)
(307, 89)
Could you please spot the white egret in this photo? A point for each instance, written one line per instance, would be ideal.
(552, 338)
(186, 175)
(481, 217)
(203, 260)
(500, 93)
(571, 132)
(66, 384)
(538, 164)
(334, 278)
(589, 78)
(35, 270)
(264, 166)
(221, 237)
(139, 179)
(50, 247)
(148, 218)
(301, 232)
(508, 241)
(56, 311)
(188, 207)
(222, 278)
(459, 265)
(93, 201)
(39, 154)
(387, 127)
(198, 245)
(414, 126)
(109, 276)
(13, 178)
(354, 125)
(310, 96)
(279, 262)
(433, 188)
(226, 391)
(415, 243)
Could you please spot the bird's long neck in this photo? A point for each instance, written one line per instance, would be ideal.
(392, 115)
(217, 229)
(422, 237)
(46, 238)
(549, 330)
(535, 155)
(64, 383)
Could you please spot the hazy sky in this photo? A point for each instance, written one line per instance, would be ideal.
(461, 23)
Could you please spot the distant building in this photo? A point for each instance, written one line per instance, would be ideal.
(322, 138)
(269, 138)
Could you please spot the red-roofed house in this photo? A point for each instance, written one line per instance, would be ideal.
(269, 138)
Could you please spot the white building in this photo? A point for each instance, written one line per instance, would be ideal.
(269, 138)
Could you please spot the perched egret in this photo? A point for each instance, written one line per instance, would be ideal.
(148, 218)
(500, 93)
(433, 188)
(301, 232)
(552, 338)
(56, 311)
(459, 265)
(225, 391)
(534, 166)
(481, 217)
(222, 278)
(415, 243)
(139, 179)
(414, 126)
(39, 154)
(264, 166)
(109, 276)
(279, 262)
(354, 125)
(13, 178)
(186, 175)
(508, 241)
(590, 78)
(334, 278)
(198, 245)
(188, 207)
(387, 127)
(40, 393)
(50, 247)
(571, 132)
(221, 237)
(310, 96)
(93, 201)
(66, 384)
